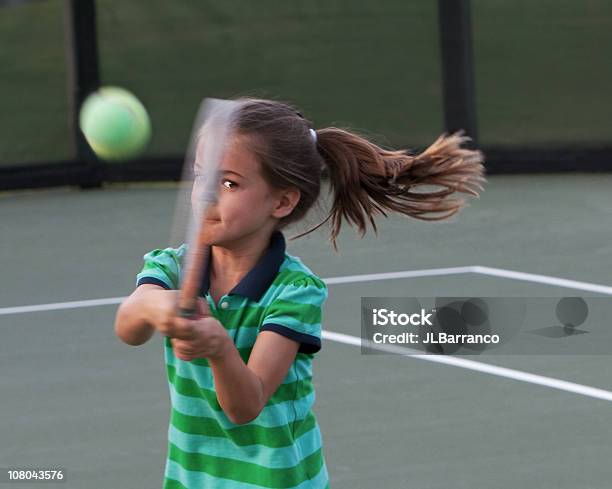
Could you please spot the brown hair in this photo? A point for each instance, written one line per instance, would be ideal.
(366, 179)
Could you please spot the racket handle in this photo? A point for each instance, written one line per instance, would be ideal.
(188, 297)
(188, 312)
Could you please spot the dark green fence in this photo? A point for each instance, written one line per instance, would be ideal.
(542, 75)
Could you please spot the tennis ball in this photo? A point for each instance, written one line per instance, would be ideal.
(115, 123)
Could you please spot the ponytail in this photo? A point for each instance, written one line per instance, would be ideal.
(367, 180)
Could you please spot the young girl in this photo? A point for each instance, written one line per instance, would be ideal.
(240, 376)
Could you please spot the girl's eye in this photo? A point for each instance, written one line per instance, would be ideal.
(229, 184)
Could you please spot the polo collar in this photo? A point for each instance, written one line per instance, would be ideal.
(260, 277)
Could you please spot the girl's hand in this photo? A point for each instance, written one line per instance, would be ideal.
(160, 306)
(204, 337)
(161, 312)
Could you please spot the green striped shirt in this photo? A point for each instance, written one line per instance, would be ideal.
(282, 447)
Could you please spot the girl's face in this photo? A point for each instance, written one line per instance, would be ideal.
(246, 203)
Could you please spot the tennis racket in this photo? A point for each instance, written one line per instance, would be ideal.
(208, 144)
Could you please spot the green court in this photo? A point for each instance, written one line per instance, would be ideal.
(74, 396)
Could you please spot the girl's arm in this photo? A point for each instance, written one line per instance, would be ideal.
(135, 316)
(243, 390)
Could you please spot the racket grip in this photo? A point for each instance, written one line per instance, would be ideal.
(188, 312)
(188, 296)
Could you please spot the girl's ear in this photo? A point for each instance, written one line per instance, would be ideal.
(286, 200)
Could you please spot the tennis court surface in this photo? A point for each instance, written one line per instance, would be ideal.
(74, 396)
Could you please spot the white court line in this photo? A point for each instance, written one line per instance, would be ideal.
(448, 360)
(57, 306)
(543, 279)
(497, 272)
(349, 279)
(486, 368)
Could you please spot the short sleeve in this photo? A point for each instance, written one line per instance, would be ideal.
(296, 313)
(162, 268)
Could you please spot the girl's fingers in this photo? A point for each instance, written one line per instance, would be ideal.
(182, 329)
(184, 357)
(182, 346)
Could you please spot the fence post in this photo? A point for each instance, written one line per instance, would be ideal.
(458, 67)
(83, 77)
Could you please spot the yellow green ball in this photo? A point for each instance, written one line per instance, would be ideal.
(115, 124)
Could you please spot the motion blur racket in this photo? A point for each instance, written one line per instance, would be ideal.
(198, 191)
